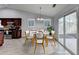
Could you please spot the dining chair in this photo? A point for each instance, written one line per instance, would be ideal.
(51, 37)
(46, 39)
(54, 37)
(33, 39)
(39, 40)
(26, 36)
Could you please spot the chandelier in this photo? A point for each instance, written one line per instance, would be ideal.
(40, 18)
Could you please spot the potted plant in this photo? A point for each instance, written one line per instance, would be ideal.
(49, 28)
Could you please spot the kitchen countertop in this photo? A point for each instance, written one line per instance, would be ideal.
(1, 28)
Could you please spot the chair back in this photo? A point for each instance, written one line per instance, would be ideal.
(53, 32)
(27, 33)
(32, 33)
(39, 35)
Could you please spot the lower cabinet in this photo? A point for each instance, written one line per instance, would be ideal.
(1, 38)
(16, 34)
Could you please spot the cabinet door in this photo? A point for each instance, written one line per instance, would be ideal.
(17, 22)
(14, 33)
(1, 38)
(4, 22)
(19, 34)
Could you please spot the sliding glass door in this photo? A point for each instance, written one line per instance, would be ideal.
(61, 31)
(68, 31)
(71, 32)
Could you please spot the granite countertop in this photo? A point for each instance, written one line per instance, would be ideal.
(1, 29)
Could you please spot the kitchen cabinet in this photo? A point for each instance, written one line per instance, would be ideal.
(4, 22)
(16, 33)
(17, 22)
(14, 25)
(1, 37)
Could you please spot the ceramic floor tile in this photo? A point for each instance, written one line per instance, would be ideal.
(18, 47)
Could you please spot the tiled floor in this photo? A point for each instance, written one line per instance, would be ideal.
(70, 43)
(18, 47)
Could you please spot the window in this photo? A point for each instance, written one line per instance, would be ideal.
(35, 24)
(31, 23)
(60, 30)
(61, 23)
(71, 23)
(47, 22)
(68, 31)
(71, 32)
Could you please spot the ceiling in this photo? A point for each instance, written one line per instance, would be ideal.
(46, 10)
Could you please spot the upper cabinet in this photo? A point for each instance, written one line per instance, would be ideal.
(16, 21)
(4, 22)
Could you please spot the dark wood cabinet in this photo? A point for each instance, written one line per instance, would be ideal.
(16, 22)
(4, 22)
(16, 33)
(1, 38)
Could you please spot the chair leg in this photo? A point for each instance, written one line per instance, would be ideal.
(26, 40)
(46, 42)
(35, 47)
(54, 42)
(43, 48)
(33, 42)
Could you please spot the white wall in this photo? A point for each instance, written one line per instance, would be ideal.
(12, 13)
